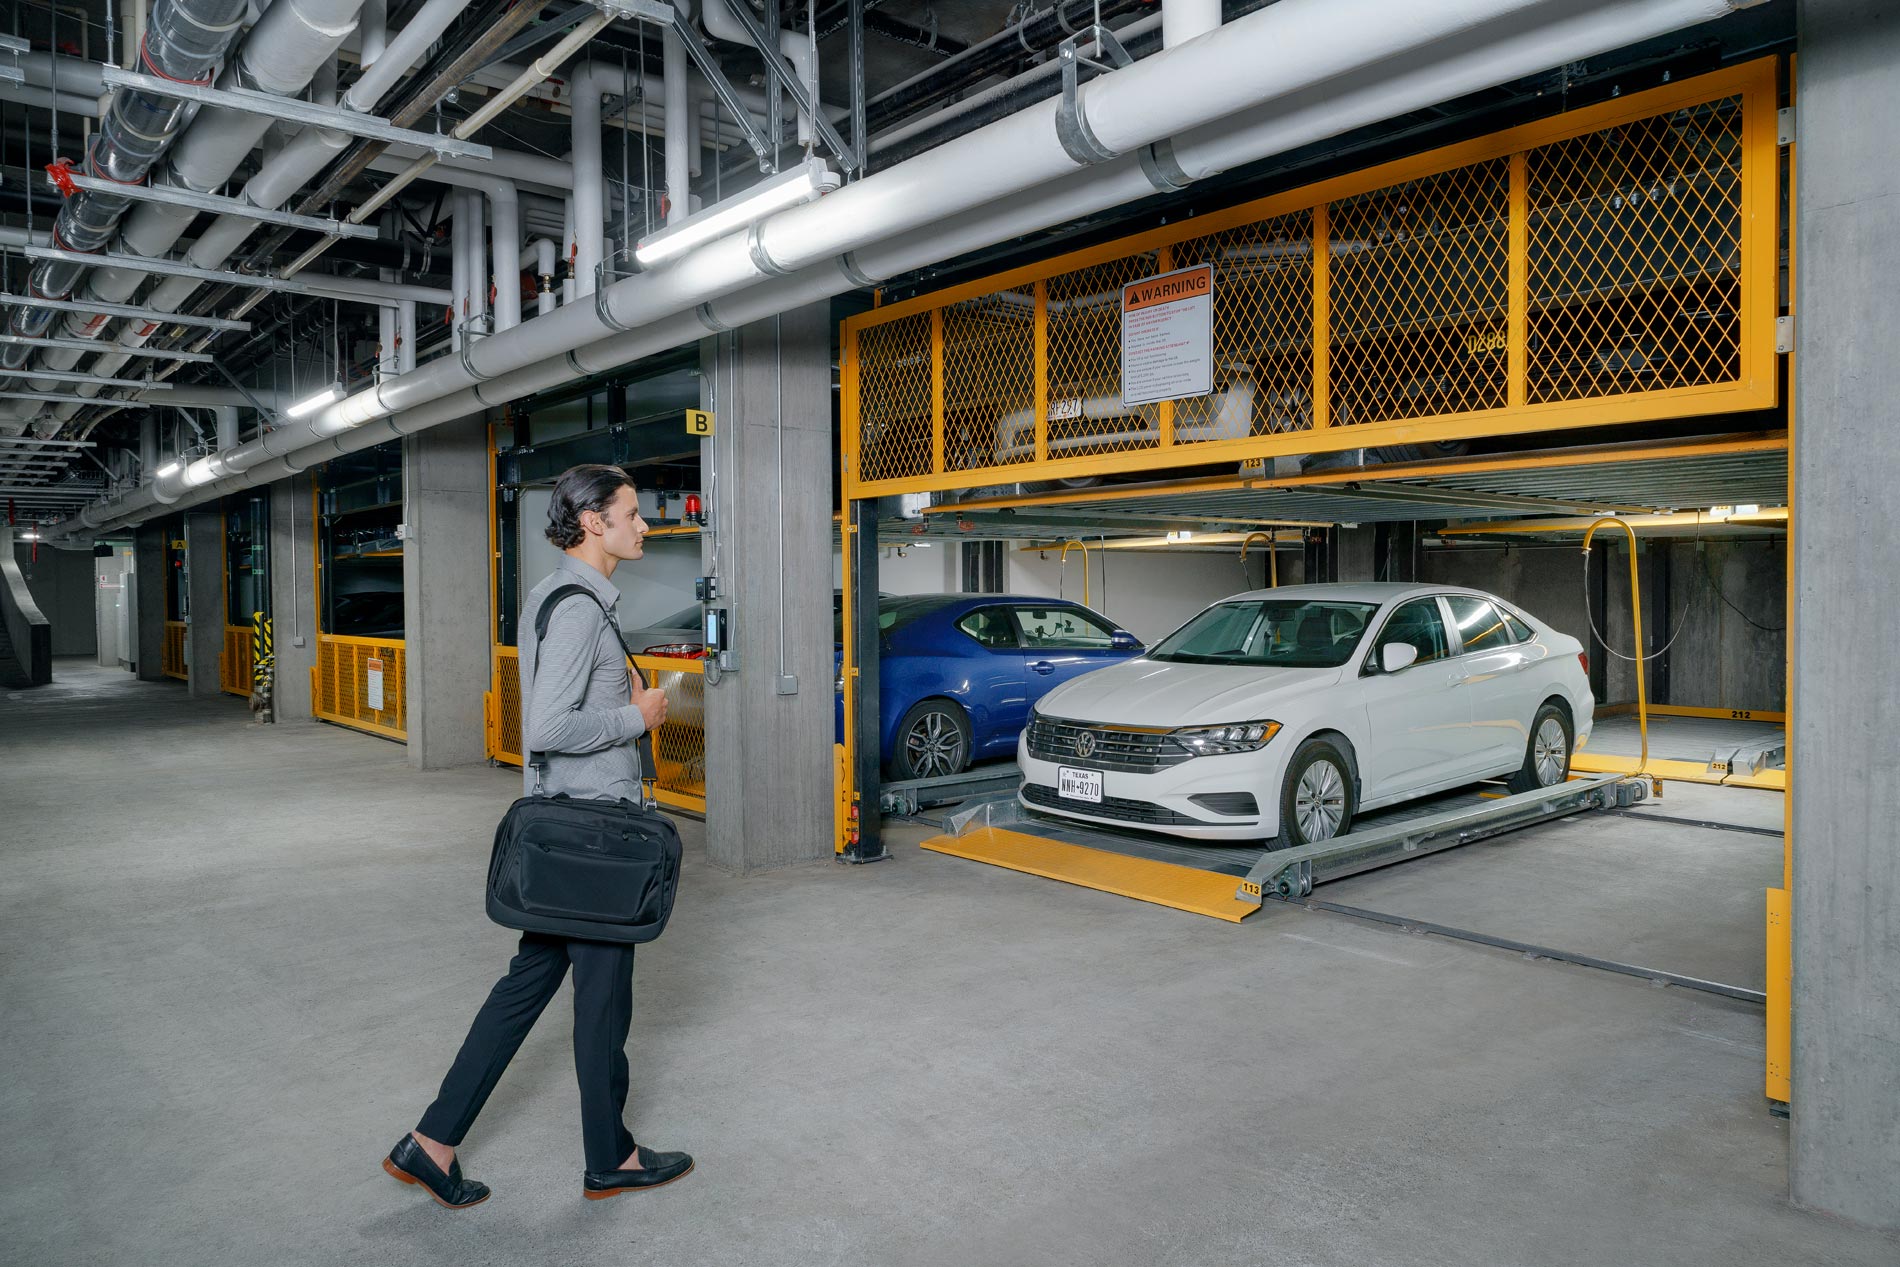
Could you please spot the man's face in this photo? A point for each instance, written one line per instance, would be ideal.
(622, 530)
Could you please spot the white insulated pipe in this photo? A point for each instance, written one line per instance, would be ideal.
(679, 126)
(505, 209)
(373, 25)
(1183, 20)
(458, 266)
(433, 393)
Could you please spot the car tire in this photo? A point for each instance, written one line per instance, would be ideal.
(932, 741)
(1547, 752)
(1317, 799)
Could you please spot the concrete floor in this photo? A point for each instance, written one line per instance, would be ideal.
(237, 960)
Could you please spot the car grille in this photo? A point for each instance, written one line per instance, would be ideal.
(1115, 807)
(1053, 739)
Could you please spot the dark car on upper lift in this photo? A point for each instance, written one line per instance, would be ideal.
(959, 673)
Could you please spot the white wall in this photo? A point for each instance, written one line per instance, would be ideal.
(112, 615)
(1148, 593)
(658, 585)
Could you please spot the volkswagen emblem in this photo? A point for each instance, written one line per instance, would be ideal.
(1085, 744)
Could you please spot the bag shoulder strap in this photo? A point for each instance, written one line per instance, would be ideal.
(543, 616)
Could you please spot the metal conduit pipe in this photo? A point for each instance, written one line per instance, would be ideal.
(307, 154)
(417, 401)
(47, 99)
(184, 40)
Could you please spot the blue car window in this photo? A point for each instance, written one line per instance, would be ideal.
(991, 627)
(1064, 629)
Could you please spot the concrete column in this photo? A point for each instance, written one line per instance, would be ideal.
(1846, 903)
(447, 610)
(204, 638)
(769, 718)
(147, 652)
(293, 609)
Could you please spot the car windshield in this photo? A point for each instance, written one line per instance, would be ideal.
(1269, 633)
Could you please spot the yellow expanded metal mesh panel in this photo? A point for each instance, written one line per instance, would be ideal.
(989, 380)
(1263, 331)
(345, 694)
(504, 736)
(679, 746)
(1613, 265)
(234, 666)
(1086, 414)
(1417, 279)
(896, 392)
(1635, 251)
(172, 656)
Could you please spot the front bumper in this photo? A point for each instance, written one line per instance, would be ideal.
(1162, 801)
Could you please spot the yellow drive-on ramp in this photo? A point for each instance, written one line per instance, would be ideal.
(1144, 879)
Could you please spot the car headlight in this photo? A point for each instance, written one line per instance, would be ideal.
(1215, 741)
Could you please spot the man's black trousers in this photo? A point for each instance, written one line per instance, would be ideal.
(603, 1011)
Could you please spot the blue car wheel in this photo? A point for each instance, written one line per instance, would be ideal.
(933, 741)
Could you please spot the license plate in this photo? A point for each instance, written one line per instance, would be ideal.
(1079, 785)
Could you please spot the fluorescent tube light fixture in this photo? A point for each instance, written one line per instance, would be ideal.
(310, 404)
(803, 183)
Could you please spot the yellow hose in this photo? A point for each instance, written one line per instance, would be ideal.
(1085, 566)
(1636, 617)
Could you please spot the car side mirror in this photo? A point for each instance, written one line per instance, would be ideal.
(1394, 656)
(1122, 640)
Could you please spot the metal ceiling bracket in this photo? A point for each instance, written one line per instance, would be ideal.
(784, 78)
(1159, 166)
(1072, 126)
(721, 86)
(173, 196)
(292, 110)
(848, 265)
(103, 345)
(761, 258)
(123, 310)
(166, 268)
(63, 376)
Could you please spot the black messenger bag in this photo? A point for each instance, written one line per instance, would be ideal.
(588, 869)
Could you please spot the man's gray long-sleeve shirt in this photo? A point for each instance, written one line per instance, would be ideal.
(575, 706)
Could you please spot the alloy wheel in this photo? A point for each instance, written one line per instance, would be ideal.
(934, 746)
(1319, 801)
(1550, 752)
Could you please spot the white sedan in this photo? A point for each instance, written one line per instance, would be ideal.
(1285, 712)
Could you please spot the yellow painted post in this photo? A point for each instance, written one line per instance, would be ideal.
(1517, 313)
(936, 391)
(1164, 410)
(1322, 318)
(844, 778)
(1777, 1071)
(1761, 167)
(1042, 371)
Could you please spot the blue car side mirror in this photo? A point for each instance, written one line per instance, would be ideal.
(1122, 640)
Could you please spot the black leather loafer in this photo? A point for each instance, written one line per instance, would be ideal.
(407, 1162)
(659, 1168)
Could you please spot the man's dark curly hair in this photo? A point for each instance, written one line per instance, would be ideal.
(581, 488)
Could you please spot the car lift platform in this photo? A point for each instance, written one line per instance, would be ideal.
(1232, 882)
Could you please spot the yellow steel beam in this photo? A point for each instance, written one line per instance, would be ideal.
(1553, 459)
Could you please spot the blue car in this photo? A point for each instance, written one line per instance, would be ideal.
(958, 673)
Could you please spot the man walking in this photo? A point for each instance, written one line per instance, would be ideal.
(581, 709)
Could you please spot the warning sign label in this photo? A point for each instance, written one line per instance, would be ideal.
(1168, 336)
